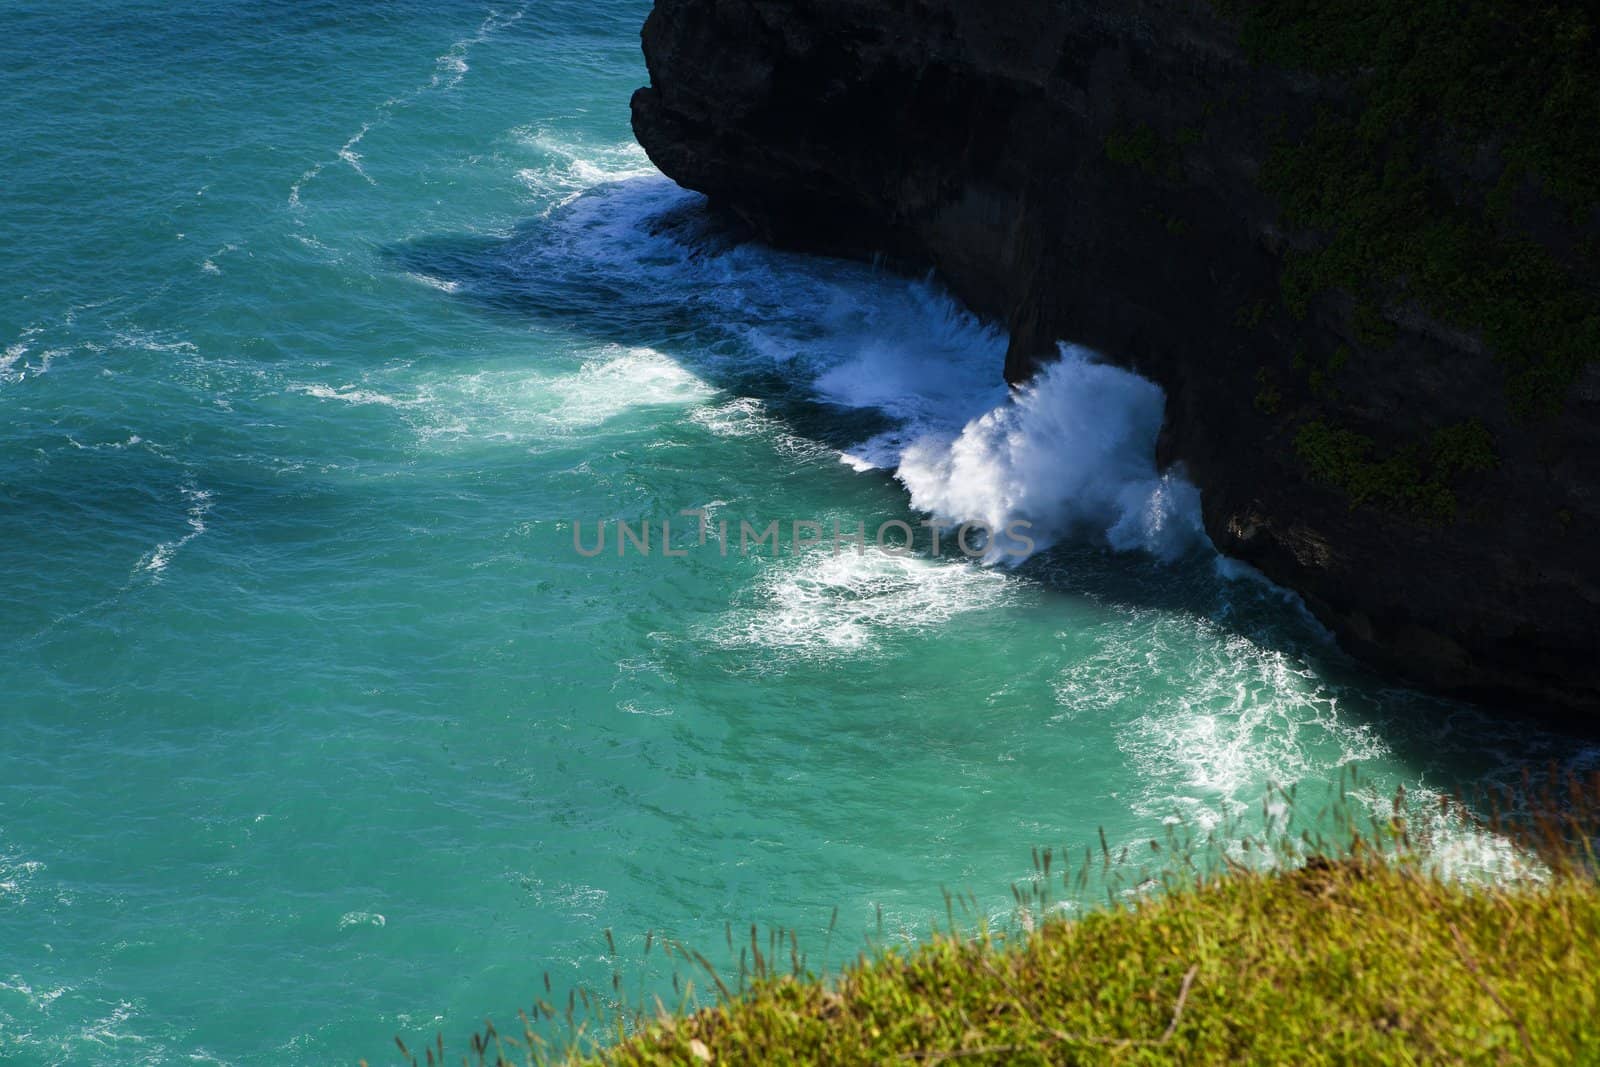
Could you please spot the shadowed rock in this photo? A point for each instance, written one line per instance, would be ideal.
(1092, 171)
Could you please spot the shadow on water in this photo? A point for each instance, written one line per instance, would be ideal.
(615, 278)
(641, 263)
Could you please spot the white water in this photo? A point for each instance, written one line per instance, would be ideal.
(1072, 452)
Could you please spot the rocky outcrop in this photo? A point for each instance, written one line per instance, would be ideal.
(1092, 171)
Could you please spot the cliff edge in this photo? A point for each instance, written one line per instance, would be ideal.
(1358, 248)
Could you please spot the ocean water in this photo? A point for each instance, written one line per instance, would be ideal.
(321, 326)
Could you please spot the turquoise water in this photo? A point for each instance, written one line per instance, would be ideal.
(321, 325)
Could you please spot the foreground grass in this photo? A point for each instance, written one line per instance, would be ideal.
(1352, 953)
(1363, 961)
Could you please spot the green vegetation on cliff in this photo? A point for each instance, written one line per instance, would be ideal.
(1361, 952)
(1458, 180)
(1412, 480)
(1465, 117)
(1367, 962)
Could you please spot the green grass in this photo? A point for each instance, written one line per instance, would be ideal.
(1362, 961)
(1285, 947)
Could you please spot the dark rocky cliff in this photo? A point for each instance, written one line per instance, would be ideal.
(1122, 175)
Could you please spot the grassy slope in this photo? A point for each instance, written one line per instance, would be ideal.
(1341, 948)
(1363, 962)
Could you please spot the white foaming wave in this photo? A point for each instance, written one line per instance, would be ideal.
(522, 405)
(362, 918)
(309, 175)
(12, 355)
(781, 309)
(111, 1029)
(209, 266)
(155, 341)
(909, 351)
(1217, 722)
(95, 1038)
(622, 379)
(16, 875)
(1239, 572)
(1454, 844)
(133, 441)
(47, 357)
(740, 417)
(350, 394)
(860, 338)
(9, 358)
(518, 406)
(155, 561)
(441, 284)
(1071, 452)
(348, 153)
(38, 1000)
(862, 464)
(822, 605)
(576, 169)
(748, 417)
(1218, 718)
(575, 900)
(449, 69)
(607, 231)
(916, 354)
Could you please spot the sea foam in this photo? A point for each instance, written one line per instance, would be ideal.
(1072, 452)
(199, 503)
(827, 607)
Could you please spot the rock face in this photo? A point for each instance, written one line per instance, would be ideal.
(1091, 171)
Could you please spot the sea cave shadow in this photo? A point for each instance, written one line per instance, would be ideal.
(629, 264)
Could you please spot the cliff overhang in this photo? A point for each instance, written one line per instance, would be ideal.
(1372, 303)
